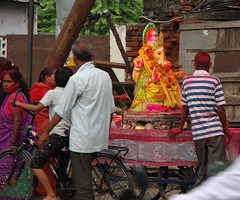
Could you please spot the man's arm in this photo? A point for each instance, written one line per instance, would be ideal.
(111, 117)
(222, 115)
(174, 131)
(56, 118)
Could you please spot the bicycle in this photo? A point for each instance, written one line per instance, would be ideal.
(111, 175)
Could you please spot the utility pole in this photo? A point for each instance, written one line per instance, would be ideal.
(69, 33)
(30, 41)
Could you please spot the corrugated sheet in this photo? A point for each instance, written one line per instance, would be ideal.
(26, 1)
(219, 4)
(22, 1)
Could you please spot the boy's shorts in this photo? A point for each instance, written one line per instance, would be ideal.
(51, 148)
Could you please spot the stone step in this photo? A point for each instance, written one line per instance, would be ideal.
(233, 100)
(231, 86)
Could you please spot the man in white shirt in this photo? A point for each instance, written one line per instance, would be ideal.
(88, 97)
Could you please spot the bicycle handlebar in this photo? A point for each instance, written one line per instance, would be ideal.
(13, 103)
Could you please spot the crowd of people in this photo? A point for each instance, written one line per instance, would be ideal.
(88, 93)
(83, 104)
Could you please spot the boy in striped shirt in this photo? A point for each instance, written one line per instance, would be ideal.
(203, 98)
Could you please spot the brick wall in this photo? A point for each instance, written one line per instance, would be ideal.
(170, 30)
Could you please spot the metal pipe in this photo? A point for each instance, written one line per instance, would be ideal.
(30, 42)
(69, 33)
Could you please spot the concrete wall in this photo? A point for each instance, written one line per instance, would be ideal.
(63, 8)
(14, 18)
(17, 52)
(219, 39)
(115, 54)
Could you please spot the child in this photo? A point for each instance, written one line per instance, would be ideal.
(58, 137)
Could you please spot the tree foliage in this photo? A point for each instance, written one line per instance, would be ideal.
(122, 12)
(47, 17)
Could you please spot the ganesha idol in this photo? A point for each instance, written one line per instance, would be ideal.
(156, 88)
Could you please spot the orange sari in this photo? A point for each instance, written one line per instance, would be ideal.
(41, 121)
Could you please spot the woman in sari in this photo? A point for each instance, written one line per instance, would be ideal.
(13, 121)
(5, 65)
(46, 81)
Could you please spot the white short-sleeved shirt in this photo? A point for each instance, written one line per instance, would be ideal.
(88, 96)
(51, 100)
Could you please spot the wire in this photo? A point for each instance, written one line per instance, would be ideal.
(171, 20)
(161, 22)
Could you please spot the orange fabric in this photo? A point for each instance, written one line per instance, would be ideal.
(41, 121)
(38, 90)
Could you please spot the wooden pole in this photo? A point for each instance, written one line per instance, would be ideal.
(69, 33)
(107, 15)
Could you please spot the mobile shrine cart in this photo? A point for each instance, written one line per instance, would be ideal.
(171, 165)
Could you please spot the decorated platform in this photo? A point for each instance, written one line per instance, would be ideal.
(154, 148)
(158, 120)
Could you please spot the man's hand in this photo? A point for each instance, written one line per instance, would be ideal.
(173, 132)
(228, 133)
(42, 140)
(12, 144)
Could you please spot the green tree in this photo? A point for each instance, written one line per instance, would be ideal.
(123, 11)
(47, 17)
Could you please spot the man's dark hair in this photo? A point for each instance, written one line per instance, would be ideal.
(62, 76)
(202, 60)
(82, 50)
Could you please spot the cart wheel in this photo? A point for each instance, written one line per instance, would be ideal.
(152, 190)
(163, 175)
(176, 180)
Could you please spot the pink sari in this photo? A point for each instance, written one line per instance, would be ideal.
(6, 130)
(6, 124)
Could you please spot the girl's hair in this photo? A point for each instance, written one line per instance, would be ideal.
(5, 64)
(49, 70)
(17, 76)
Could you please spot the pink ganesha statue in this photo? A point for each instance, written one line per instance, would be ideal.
(156, 88)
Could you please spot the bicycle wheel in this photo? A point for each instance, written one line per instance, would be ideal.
(176, 180)
(110, 177)
(152, 190)
(65, 190)
(21, 183)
